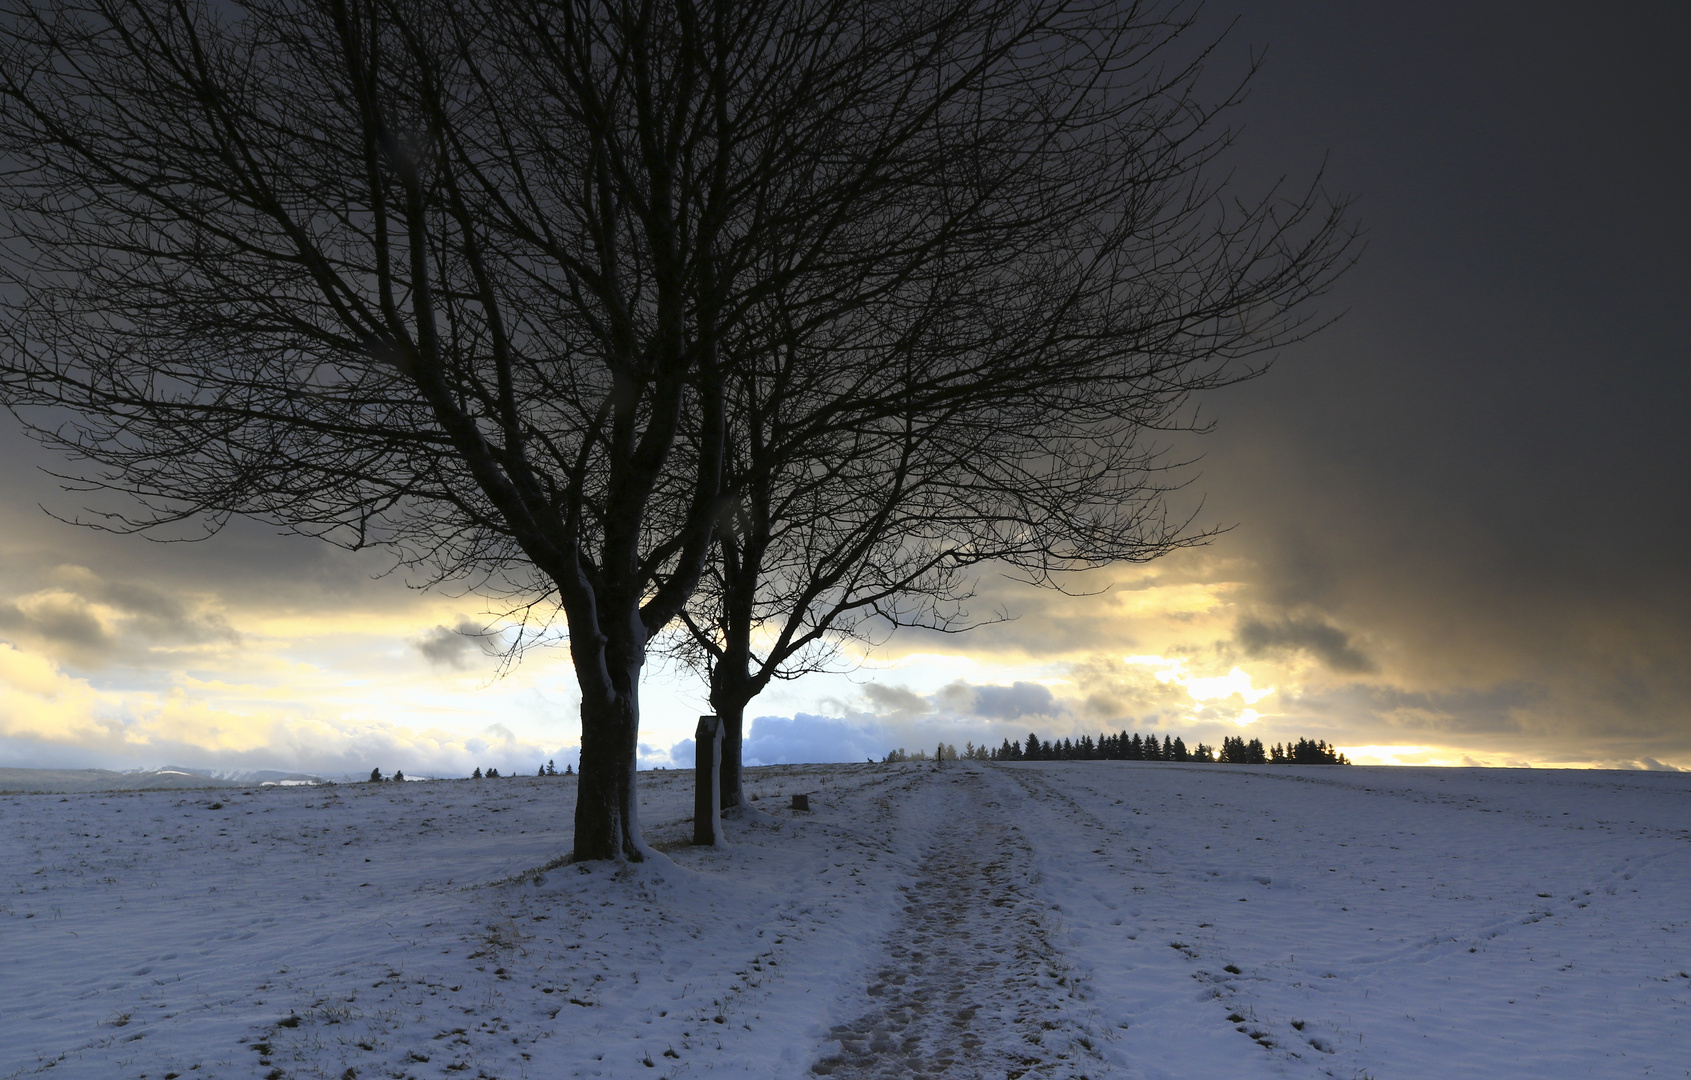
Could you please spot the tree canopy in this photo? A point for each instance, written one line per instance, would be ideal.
(533, 292)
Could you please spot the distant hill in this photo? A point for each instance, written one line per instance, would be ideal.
(78, 780)
(167, 778)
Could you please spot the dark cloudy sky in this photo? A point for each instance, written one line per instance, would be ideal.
(1486, 468)
(1460, 515)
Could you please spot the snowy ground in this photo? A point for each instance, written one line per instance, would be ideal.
(1095, 919)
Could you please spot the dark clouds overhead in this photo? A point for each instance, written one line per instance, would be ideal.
(1466, 504)
(1503, 402)
(1460, 515)
(1485, 466)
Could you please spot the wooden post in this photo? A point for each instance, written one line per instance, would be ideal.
(707, 763)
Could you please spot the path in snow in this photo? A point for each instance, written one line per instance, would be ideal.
(1051, 920)
(971, 984)
(416, 932)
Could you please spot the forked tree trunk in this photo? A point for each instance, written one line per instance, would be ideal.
(607, 809)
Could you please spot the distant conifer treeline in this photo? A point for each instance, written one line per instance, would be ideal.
(1124, 747)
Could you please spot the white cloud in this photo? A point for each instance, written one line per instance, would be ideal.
(784, 740)
(51, 718)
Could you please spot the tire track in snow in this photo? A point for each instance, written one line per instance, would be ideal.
(972, 985)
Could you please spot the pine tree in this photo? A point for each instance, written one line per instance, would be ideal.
(1311, 752)
(398, 774)
(1034, 750)
(1180, 750)
(375, 776)
(477, 774)
(551, 767)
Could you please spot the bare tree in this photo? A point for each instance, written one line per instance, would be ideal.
(884, 534)
(483, 283)
(1117, 279)
(348, 268)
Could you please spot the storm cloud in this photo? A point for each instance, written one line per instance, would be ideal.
(1320, 639)
(456, 647)
(990, 702)
(57, 621)
(91, 622)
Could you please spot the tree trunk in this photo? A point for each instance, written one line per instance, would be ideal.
(732, 682)
(733, 794)
(607, 808)
(728, 698)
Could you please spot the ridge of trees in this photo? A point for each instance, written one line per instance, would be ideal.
(1234, 750)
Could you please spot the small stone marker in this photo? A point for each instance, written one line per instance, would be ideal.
(801, 802)
(707, 763)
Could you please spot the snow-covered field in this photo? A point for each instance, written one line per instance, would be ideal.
(1092, 919)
